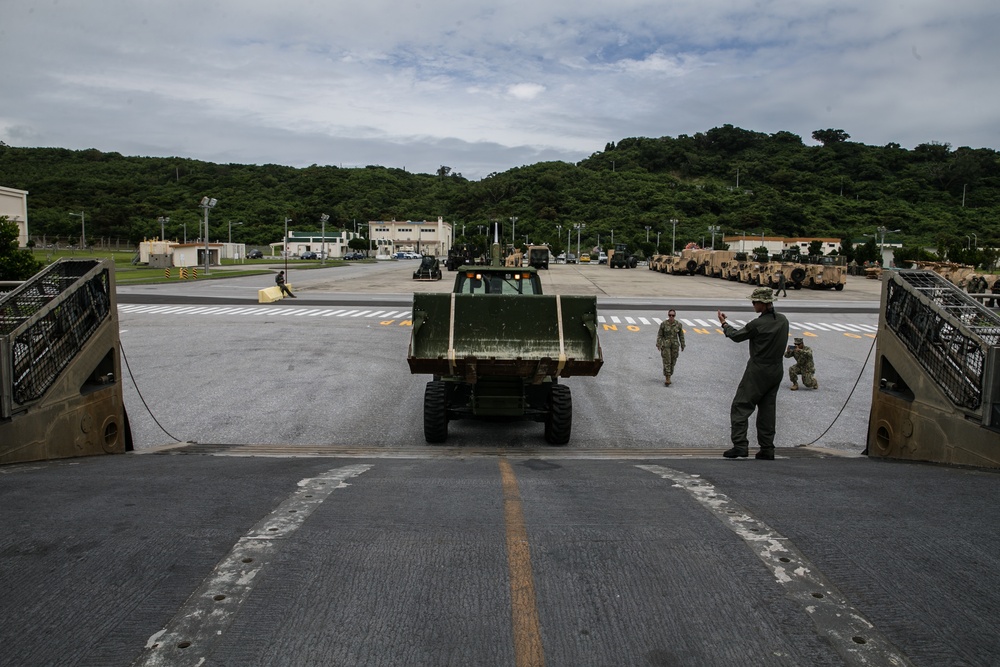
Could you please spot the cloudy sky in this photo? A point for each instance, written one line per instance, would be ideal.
(484, 87)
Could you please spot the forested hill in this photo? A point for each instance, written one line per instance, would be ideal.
(727, 177)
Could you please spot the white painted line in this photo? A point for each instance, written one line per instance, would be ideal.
(703, 323)
(189, 637)
(363, 312)
(837, 327)
(615, 319)
(335, 312)
(843, 627)
(644, 320)
(630, 320)
(601, 320)
(348, 313)
(813, 325)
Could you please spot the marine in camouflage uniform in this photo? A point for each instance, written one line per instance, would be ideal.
(758, 390)
(670, 342)
(803, 365)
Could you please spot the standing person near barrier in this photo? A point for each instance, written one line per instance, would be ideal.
(670, 342)
(758, 390)
(279, 280)
(995, 289)
(803, 365)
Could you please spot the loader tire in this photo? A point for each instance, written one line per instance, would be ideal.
(559, 420)
(436, 412)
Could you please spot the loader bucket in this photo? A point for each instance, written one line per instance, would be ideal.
(527, 336)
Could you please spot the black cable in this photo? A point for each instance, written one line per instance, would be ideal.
(863, 366)
(134, 384)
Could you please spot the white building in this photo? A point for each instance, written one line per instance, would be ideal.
(421, 236)
(14, 205)
(335, 244)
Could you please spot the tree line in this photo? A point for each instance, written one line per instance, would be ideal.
(730, 180)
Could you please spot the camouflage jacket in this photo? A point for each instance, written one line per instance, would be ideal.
(670, 334)
(803, 358)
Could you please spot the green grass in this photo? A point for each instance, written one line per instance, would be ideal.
(127, 273)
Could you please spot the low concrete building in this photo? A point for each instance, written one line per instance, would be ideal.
(420, 236)
(334, 244)
(14, 205)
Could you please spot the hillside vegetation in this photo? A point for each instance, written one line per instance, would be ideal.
(730, 178)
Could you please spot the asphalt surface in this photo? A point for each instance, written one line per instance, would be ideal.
(270, 554)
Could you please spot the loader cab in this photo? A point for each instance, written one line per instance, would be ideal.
(483, 280)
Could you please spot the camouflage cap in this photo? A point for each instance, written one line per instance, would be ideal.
(799, 341)
(763, 295)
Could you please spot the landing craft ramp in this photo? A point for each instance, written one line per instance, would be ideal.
(936, 394)
(60, 374)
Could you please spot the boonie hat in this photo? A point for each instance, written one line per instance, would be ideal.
(798, 341)
(763, 294)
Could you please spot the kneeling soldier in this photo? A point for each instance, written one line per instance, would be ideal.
(803, 365)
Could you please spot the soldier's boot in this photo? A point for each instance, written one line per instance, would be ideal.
(794, 387)
(815, 384)
(736, 452)
(666, 381)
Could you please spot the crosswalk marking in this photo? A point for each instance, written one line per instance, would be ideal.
(706, 325)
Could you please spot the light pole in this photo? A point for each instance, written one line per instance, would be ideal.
(231, 223)
(673, 241)
(578, 227)
(207, 203)
(162, 220)
(285, 253)
(976, 240)
(83, 227)
(714, 229)
(513, 235)
(322, 219)
(559, 233)
(185, 232)
(657, 242)
(612, 238)
(647, 233)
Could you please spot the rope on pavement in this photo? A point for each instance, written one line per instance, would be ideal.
(136, 385)
(863, 366)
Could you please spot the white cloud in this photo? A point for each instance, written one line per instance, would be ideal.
(485, 87)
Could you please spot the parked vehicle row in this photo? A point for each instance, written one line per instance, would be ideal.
(813, 272)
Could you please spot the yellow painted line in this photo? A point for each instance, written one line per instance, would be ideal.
(524, 609)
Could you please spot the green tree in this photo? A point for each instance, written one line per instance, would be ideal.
(830, 137)
(815, 247)
(15, 263)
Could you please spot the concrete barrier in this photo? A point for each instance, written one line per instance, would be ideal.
(270, 294)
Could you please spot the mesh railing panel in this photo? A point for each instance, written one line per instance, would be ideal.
(41, 350)
(956, 360)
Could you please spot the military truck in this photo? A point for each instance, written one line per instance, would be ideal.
(824, 272)
(538, 256)
(429, 269)
(621, 258)
(497, 348)
(461, 254)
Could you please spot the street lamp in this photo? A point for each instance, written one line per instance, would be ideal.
(647, 233)
(285, 253)
(207, 203)
(162, 220)
(83, 228)
(657, 242)
(673, 242)
(513, 235)
(323, 218)
(714, 229)
(578, 227)
(976, 238)
(185, 232)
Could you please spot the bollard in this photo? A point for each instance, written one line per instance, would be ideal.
(194, 273)
(166, 273)
(184, 273)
